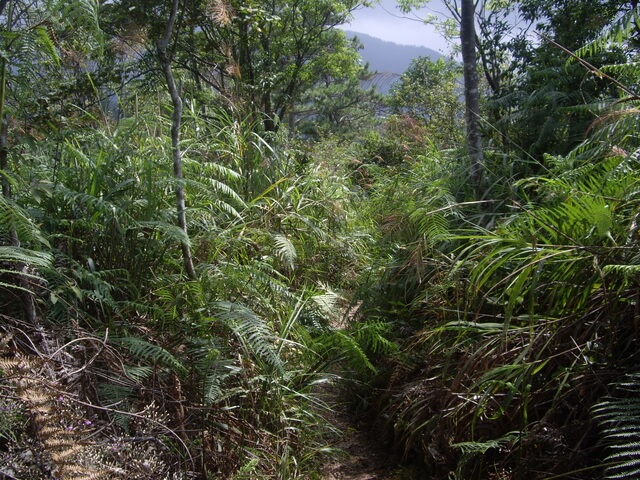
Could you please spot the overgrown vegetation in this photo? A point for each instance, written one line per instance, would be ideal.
(486, 332)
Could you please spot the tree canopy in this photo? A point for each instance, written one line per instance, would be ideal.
(261, 56)
(429, 91)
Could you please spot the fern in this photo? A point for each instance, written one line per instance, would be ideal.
(630, 272)
(82, 11)
(619, 417)
(168, 231)
(254, 334)
(472, 450)
(28, 257)
(617, 33)
(47, 42)
(62, 430)
(83, 17)
(330, 305)
(338, 345)
(372, 335)
(150, 352)
(13, 217)
(285, 250)
(122, 394)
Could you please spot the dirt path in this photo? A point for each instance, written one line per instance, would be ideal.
(363, 458)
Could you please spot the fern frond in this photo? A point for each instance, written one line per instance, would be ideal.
(47, 42)
(330, 305)
(13, 217)
(372, 336)
(626, 271)
(257, 338)
(84, 12)
(482, 447)
(59, 427)
(620, 417)
(138, 373)
(26, 256)
(338, 345)
(616, 34)
(228, 209)
(285, 250)
(170, 232)
(210, 185)
(147, 351)
(431, 225)
(471, 450)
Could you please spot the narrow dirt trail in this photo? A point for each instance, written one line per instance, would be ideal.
(363, 457)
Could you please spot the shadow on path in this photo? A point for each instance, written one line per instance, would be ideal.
(362, 457)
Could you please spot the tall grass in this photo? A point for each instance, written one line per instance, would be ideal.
(508, 330)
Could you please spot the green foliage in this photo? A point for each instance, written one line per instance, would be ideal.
(429, 93)
(548, 101)
(481, 332)
(225, 362)
(148, 352)
(619, 418)
(264, 55)
(508, 324)
(579, 22)
(337, 103)
(400, 140)
(412, 210)
(14, 220)
(254, 334)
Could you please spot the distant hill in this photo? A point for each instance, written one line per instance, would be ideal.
(389, 59)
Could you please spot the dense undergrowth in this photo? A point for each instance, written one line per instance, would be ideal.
(482, 351)
(515, 319)
(514, 332)
(213, 375)
(491, 337)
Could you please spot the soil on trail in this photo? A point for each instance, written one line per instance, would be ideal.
(362, 457)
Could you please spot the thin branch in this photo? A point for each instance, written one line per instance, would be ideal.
(461, 204)
(130, 414)
(593, 69)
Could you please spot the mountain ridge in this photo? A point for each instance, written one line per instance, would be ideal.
(388, 60)
(389, 57)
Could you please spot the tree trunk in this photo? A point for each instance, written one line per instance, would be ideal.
(472, 95)
(176, 121)
(28, 302)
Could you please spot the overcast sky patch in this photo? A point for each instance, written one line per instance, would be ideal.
(387, 22)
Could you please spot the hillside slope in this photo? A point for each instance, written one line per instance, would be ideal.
(389, 60)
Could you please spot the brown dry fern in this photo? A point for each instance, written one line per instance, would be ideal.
(61, 429)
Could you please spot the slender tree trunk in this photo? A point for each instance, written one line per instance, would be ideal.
(28, 302)
(176, 121)
(292, 121)
(472, 94)
(4, 154)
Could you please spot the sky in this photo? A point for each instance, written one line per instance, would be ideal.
(387, 22)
